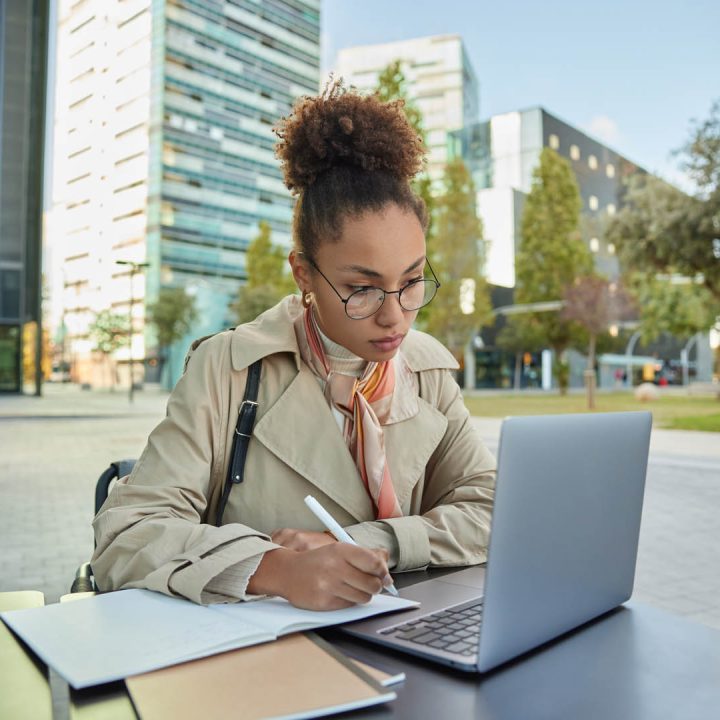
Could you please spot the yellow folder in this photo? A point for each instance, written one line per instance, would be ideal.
(298, 676)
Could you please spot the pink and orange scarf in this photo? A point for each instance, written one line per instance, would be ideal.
(365, 403)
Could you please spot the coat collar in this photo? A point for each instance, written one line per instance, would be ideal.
(273, 332)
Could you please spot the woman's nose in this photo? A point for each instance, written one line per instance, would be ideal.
(391, 313)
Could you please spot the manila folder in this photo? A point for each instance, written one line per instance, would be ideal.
(299, 676)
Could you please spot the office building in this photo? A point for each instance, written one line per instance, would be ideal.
(502, 153)
(164, 154)
(440, 82)
(23, 63)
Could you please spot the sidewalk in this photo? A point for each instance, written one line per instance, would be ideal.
(53, 449)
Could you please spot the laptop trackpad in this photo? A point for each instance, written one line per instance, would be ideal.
(473, 577)
(447, 590)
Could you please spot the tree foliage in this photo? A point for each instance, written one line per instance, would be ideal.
(595, 304)
(109, 331)
(462, 304)
(552, 254)
(662, 230)
(392, 85)
(679, 309)
(701, 152)
(268, 280)
(172, 314)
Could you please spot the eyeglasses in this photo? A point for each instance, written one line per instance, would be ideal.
(368, 300)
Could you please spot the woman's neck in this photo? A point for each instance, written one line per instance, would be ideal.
(340, 358)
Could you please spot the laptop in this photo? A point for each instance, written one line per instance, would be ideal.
(562, 550)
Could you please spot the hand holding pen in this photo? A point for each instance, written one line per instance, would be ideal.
(334, 527)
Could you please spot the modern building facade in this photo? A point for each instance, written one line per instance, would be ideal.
(502, 153)
(23, 63)
(440, 81)
(164, 154)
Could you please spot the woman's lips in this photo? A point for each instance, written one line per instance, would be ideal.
(388, 343)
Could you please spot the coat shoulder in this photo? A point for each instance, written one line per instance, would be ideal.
(211, 345)
(424, 352)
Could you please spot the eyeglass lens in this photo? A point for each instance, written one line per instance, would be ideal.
(364, 303)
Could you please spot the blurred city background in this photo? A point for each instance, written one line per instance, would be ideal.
(573, 179)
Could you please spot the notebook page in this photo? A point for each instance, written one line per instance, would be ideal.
(110, 636)
(279, 617)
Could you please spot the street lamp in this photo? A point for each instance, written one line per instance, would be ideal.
(135, 268)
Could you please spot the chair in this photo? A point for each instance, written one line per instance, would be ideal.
(84, 580)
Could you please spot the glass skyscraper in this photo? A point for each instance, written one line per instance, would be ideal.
(23, 53)
(164, 151)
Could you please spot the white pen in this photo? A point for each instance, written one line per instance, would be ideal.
(334, 527)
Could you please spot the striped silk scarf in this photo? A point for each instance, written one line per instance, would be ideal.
(365, 404)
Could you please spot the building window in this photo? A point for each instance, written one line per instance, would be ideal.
(610, 170)
(554, 141)
(594, 245)
(611, 249)
(574, 152)
(593, 202)
(592, 162)
(611, 209)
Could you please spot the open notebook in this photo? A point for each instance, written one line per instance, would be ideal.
(296, 677)
(112, 636)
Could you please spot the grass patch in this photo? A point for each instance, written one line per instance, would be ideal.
(670, 411)
(708, 423)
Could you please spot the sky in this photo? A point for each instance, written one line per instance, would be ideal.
(633, 74)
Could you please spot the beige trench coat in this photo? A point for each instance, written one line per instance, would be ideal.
(152, 531)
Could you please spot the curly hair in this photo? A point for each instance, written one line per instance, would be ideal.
(344, 154)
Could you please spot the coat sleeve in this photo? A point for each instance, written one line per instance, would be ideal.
(151, 532)
(453, 525)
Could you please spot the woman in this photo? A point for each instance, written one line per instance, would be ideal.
(354, 407)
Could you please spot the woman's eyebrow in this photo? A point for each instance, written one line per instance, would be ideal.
(374, 273)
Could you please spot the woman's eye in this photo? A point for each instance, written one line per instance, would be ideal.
(361, 288)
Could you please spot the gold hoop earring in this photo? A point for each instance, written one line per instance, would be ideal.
(307, 298)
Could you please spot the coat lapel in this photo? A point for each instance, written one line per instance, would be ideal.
(409, 445)
(301, 431)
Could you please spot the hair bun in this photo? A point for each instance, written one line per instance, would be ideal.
(346, 124)
(343, 127)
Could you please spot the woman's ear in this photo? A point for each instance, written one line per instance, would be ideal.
(300, 271)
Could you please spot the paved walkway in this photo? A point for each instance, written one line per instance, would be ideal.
(53, 448)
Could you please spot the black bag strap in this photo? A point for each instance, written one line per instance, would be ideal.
(241, 438)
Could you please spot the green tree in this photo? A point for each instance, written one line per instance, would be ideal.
(663, 230)
(680, 309)
(462, 304)
(268, 281)
(172, 314)
(552, 253)
(109, 331)
(391, 86)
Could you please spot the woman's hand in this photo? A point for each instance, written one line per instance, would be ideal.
(301, 540)
(330, 577)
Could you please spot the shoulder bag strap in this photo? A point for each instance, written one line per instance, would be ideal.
(241, 438)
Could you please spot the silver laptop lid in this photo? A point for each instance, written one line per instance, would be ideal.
(565, 529)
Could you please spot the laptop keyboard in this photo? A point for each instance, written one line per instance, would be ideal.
(454, 630)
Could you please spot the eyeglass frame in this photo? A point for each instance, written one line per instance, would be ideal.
(374, 287)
